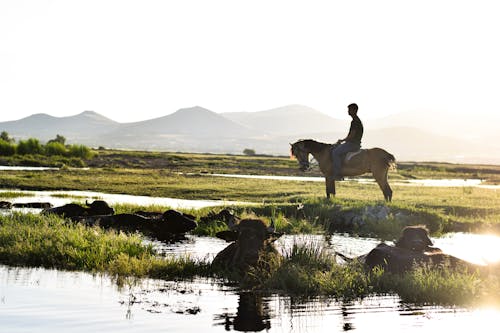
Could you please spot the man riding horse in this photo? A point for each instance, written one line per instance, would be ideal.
(329, 157)
(351, 143)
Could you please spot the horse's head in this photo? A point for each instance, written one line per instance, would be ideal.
(298, 150)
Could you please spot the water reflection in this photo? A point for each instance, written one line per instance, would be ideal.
(50, 301)
(252, 314)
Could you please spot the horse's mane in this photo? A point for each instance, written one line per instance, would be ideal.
(314, 146)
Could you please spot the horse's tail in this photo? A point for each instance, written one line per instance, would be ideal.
(390, 161)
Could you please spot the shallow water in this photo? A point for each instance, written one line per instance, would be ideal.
(24, 168)
(55, 301)
(59, 198)
(476, 248)
(409, 182)
(39, 300)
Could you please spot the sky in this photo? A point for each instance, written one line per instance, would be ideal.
(138, 60)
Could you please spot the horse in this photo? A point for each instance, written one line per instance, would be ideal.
(374, 160)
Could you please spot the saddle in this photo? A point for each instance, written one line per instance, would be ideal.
(351, 154)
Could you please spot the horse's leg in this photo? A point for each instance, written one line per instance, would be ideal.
(330, 186)
(380, 176)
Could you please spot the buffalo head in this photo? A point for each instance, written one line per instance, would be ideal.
(251, 239)
(176, 222)
(414, 238)
(99, 207)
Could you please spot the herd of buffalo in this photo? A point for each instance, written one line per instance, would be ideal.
(251, 240)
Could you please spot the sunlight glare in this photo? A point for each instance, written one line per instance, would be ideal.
(480, 249)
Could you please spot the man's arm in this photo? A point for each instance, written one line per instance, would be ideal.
(352, 133)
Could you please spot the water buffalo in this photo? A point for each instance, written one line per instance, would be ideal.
(412, 249)
(5, 205)
(416, 238)
(162, 226)
(98, 207)
(225, 215)
(251, 241)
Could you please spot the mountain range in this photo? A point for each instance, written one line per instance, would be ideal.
(410, 136)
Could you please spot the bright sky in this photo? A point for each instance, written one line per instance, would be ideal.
(136, 60)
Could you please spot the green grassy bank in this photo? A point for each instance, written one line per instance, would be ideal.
(306, 270)
(442, 209)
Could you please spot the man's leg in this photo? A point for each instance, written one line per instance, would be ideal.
(337, 155)
(337, 161)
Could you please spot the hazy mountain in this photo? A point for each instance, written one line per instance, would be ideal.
(195, 121)
(409, 136)
(468, 126)
(291, 119)
(412, 144)
(80, 127)
(192, 129)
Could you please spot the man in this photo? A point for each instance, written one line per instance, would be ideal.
(352, 142)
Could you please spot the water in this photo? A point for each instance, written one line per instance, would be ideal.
(41, 300)
(409, 182)
(24, 168)
(59, 198)
(476, 248)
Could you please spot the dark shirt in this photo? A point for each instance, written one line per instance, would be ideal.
(357, 128)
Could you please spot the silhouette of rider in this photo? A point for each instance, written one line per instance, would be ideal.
(352, 142)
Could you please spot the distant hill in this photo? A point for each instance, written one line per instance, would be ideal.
(413, 144)
(466, 127)
(195, 121)
(409, 136)
(81, 127)
(291, 119)
(192, 129)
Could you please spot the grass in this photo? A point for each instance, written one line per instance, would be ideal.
(294, 206)
(37, 160)
(430, 286)
(47, 241)
(193, 163)
(305, 270)
(448, 206)
(309, 270)
(5, 195)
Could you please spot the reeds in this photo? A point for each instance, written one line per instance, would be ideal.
(310, 270)
(307, 269)
(50, 242)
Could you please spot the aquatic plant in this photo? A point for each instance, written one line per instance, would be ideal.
(49, 241)
(307, 269)
(310, 270)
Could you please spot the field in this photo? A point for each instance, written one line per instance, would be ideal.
(295, 206)
(189, 176)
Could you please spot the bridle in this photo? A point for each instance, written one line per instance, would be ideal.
(302, 157)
